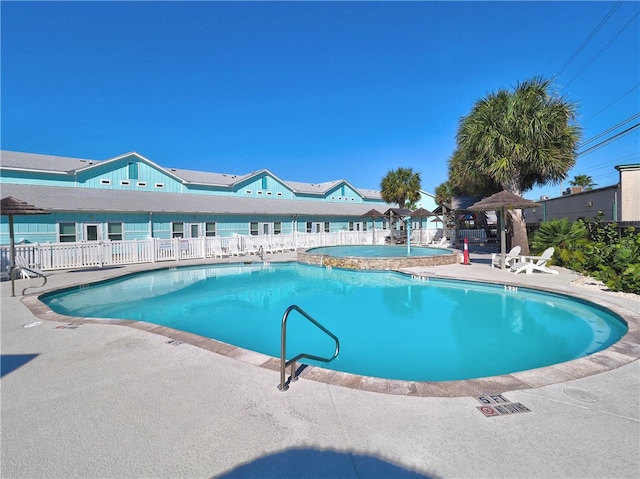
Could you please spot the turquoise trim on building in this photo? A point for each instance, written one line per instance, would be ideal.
(134, 174)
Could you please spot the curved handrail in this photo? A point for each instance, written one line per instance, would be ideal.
(35, 273)
(283, 386)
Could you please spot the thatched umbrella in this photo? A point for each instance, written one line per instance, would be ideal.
(373, 214)
(11, 206)
(501, 202)
(421, 213)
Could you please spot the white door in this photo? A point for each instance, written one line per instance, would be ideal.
(194, 230)
(91, 232)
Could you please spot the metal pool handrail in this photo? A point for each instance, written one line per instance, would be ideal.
(284, 385)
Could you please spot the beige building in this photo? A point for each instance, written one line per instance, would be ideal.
(629, 192)
(619, 203)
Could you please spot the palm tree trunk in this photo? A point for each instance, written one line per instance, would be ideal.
(517, 231)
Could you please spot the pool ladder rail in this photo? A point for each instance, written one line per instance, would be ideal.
(284, 384)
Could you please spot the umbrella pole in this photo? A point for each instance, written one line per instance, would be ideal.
(373, 221)
(12, 249)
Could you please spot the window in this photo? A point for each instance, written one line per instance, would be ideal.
(253, 228)
(133, 170)
(268, 193)
(309, 227)
(125, 183)
(142, 184)
(105, 181)
(279, 193)
(277, 227)
(350, 225)
(177, 230)
(264, 182)
(210, 229)
(259, 192)
(159, 185)
(364, 226)
(342, 190)
(67, 233)
(326, 226)
(114, 231)
(247, 192)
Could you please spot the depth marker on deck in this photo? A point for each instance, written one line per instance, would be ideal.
(498, 405)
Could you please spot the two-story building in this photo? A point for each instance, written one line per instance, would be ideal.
(131, 197)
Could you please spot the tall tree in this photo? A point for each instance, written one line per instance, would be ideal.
(583, 180)
(444, 193)
(401, 186)
(515, 140)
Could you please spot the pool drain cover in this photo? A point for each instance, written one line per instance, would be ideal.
(581, 395)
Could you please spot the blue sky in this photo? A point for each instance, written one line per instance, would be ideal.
(312, 91)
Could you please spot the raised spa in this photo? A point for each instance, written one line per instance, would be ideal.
(377, 257)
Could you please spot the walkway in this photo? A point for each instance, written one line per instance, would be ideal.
(110, 401)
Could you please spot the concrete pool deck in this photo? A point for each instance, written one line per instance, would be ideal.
(94, 400)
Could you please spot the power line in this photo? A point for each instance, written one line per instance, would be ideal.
(633, 117)
(612, 103)
(591, 35)
(608, 140)
(601, 50)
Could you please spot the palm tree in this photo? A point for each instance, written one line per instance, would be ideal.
(583, 180)
(444, 193)
(515, 140)
(401, 186)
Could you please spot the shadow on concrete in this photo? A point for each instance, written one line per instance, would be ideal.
(97, 268)
(11, 362)
(307, 463)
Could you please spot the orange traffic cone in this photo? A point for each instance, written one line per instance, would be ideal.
(466, 251)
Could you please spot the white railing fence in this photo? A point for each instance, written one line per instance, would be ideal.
(478, 235)
(55, 256)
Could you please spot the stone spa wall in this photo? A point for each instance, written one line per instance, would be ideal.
(377, 263)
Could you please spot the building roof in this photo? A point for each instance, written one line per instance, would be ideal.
(42, 163)
(60, 165)
(52, 198)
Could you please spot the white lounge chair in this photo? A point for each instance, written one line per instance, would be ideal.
(510, 258)
(234, 250)
(529, 264)
(26, 270)
(441, 243)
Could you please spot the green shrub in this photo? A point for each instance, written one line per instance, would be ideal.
(593, 247)
(567, 239)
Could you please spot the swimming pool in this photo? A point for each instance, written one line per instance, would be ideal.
(390, 325)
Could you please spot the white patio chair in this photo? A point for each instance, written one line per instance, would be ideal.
(510, 258)
(529, 264)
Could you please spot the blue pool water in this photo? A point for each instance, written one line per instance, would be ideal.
(389, 324)
(377, 251)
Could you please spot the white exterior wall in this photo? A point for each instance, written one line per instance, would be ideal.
(629, 193)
